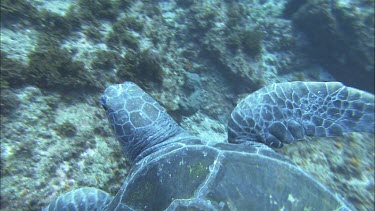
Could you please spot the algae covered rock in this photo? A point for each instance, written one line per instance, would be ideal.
(101, 9)
(341, 36)
(251, 42)
(66, 129)
(105, 59)
(16, 10)
(141, 67)
(54, 67)
(11, 73)
(8, 101)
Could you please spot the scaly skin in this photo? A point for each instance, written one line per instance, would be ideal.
(285, 112)
(276, 114)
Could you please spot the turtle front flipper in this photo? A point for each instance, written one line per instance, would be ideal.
(81, 199)
(285, 112)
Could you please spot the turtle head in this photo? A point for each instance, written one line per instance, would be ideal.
(138, 121)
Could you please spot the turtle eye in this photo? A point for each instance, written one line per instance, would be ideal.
(103, 102)
(105, 107)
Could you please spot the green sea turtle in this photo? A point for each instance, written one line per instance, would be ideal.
(172, 170)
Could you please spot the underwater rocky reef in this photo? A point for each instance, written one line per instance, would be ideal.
(196, 58)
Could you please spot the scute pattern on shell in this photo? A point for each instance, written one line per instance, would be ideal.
(173, 170)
